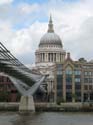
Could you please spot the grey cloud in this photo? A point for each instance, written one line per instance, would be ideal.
(81, 45)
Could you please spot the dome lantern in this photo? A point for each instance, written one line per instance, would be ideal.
(50, 25)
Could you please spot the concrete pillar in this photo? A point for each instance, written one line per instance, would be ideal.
(73, 88)
(61, 58)
(26, 104)
(40, 57)
(53, 57)
(45, 57)
(50, 57)
(64, 86)
(57, 57)
(82, 86)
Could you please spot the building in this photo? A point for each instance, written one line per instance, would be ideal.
(74, 80)
(50, 51)
(8, 92)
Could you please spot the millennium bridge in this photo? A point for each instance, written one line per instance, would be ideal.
(22, 77)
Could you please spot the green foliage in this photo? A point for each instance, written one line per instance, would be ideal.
(74, 96)
(60, 100)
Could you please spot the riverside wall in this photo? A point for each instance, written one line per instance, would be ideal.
(8, 106)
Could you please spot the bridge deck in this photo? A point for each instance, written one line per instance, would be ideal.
(13, 67)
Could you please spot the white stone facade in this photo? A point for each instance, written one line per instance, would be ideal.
(50, 51)
(50, 47)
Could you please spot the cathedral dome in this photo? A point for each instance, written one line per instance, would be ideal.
(50, 38)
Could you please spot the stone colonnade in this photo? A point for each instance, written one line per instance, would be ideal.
(50, 57)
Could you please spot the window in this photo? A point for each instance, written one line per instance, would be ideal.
(86, 87)
(59, 85)
(59, 67)
(85, 73)
(77, 72)
(90, 87)
(68, 79)
(77, 87)
(90, 80)
(77, 79)
(90, 73)
(68, 86)
(68, 72)
(85, 80)
(59, 72)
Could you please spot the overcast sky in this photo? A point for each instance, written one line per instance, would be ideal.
(24, 22)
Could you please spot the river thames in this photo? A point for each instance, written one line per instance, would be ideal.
(46, 118)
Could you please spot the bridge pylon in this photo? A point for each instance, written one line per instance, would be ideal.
(26, 104)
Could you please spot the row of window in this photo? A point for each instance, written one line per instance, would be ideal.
(90, 87)
(88, 80)
(88, 73)
(76, 72)
(69, 72)
(87, 67)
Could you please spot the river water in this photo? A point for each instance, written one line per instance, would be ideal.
(46, 118)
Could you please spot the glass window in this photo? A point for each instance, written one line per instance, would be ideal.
(77, 79)
(68, 79)
(59, 85)
(59, 72)
(78, 94)
(90, 73)
(77, 87)
(77, 72)
(86, 73)
(68, 86)
(90, 80)
(90, 87)
(59, 67)
(86, 87)
(68, 72)
(85, 80)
